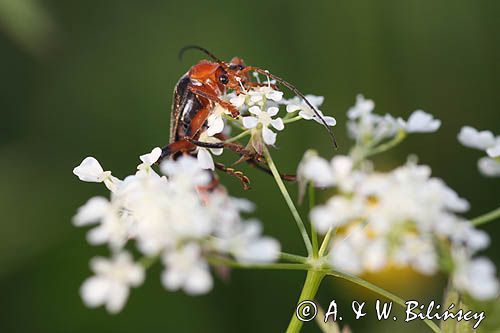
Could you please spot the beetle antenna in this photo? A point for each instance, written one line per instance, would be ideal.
(202, 49)
(297, 92)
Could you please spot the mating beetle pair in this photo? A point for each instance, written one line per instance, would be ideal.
(197, 93)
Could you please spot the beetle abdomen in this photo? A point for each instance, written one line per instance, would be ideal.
(185, 106)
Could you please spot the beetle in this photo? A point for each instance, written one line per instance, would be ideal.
(195, 96)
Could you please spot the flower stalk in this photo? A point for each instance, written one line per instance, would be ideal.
(485, 218)
(288, 200)
(311, 285)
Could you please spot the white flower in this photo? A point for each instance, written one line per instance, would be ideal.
(315, 169)
(264, 118)
(362, 107)
(421, 122)
(345, 257)
(486, 141)
(363, 125)
(186, 171)
(185, 269)
(258, 94)
(148, 160)
(215, 121)
(464, 233)
(90, 213)
(238, 100)
(113, 227)
(322, 173)
(91, 171)
(152, 157)
(471, 137)
(305, 111)
(246, 244)
(110, 286)
(489, 167)
(337, 211)
(419, 253)
(203, 154)
(375, 255)
(477, 277)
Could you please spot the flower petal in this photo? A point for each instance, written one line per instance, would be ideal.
(292, 108)
(94, 291)
(489, 167)
(89, 170)
(152, 157)
(494, 151)
(215, 125)
(330, 121)
(269, 136)
(272, 111)
(91, 212)
(278, 124)
(205, 159)
(422, 122)
(238, 100)
(199, 281)
(472, 138)
(250, 122)
(255, 110)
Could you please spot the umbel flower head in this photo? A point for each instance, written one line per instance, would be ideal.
(168, 216)
(401, 218)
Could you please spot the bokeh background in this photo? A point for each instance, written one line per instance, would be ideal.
(91, 77)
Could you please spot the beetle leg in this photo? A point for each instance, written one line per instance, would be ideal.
(198, 90)
(235, 173)
(175, 147)
(247, 156)
(236, 147)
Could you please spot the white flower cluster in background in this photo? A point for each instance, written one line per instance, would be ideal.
(402, 218)
(370, 129)
(487, 142)
(171, 216)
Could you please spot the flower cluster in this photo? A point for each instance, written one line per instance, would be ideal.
(401, 218)
(485, 141)
(364, 125)
(375, 133)
(174, 217)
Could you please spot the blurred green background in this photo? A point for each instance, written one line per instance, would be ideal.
(95, 78)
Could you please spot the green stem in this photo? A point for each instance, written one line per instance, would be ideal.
(288, 200)
(147, 262)
(388, 145)
(326, 241)
(292, 120)
(488, 217)
(311, 285)
(239, 136)
(380, 291)
(314, 234)
(220, 261)
(293, 257)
